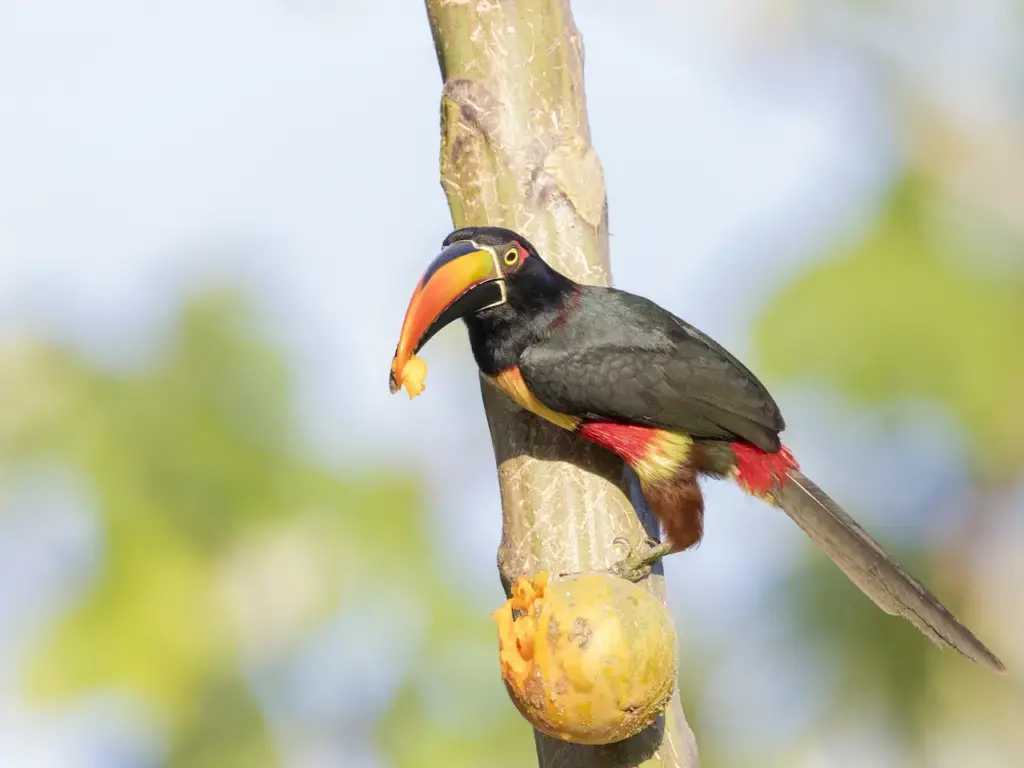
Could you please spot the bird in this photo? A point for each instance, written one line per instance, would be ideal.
(620, 371)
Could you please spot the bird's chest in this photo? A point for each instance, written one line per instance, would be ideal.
(510, 381)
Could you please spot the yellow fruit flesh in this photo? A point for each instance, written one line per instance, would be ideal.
(590, 660)
(413, 376)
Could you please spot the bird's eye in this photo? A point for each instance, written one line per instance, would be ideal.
(511, 256)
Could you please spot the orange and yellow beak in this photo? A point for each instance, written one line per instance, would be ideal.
(464, 278)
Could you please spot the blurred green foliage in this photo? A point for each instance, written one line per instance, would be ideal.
(918, 306)
(909, 310)
(226, 548)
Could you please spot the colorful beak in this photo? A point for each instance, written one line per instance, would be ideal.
(464, 278)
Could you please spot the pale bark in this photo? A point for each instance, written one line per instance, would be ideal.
(516, 152)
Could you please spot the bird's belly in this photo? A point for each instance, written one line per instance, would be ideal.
(655, 454)
(510, 381)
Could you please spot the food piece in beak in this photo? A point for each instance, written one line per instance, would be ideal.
(412, 376)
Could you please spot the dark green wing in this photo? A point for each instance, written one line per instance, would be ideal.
(672, 378)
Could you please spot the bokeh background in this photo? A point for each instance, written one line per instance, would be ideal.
(223, 543)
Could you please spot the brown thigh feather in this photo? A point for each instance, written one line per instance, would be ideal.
(679, 506)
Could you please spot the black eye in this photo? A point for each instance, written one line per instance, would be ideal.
(511, 256)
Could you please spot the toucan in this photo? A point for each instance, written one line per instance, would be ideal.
(620, 371)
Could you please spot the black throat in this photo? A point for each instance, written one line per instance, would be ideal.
(534, 309)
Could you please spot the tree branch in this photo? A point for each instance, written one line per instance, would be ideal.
(516, 152)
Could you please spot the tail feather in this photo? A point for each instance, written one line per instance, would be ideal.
(869, 567)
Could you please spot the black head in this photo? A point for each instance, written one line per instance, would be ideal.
(491, 236)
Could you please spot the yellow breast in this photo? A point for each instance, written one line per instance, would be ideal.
(510, 381)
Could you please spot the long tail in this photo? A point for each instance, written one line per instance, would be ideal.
(869, 567)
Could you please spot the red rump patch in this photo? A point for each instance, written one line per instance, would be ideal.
(626, 440)
(757, 470)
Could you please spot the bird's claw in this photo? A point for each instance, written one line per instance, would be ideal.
(641, 558)
(638, 561)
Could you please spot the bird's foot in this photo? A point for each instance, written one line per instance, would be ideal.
(637, 564)
(639, 560)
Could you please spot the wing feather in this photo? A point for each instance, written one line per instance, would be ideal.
(683, 385)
